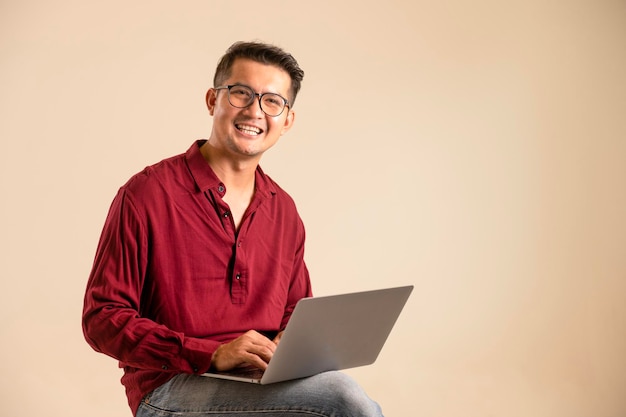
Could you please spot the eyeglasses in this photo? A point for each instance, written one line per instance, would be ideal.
(242, 96)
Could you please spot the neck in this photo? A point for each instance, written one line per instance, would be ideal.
(234, 173)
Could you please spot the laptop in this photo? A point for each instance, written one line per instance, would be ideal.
(329, 333)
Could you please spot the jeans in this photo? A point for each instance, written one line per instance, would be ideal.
(329, 394)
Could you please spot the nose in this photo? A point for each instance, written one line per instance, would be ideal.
(255, 107)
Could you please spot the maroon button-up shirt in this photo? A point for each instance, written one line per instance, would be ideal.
(172, 279)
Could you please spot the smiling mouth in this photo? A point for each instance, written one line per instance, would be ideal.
(248, 129)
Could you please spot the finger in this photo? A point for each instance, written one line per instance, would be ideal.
(259, 344)
(252, 355)
(264, 351)
(277, 338)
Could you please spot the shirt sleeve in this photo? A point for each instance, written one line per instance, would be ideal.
(112, 321)
(300, 285)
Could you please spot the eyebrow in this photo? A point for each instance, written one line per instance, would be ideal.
(264, 92)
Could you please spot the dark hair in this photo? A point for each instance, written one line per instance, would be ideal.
(265, 54)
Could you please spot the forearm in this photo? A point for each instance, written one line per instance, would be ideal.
(141, 343)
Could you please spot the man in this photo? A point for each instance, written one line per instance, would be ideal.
(201, 262)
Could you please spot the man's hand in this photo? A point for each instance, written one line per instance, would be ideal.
(249, 349)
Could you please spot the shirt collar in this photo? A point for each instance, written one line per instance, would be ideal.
(206, 179)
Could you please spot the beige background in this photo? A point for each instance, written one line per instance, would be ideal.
(475, 149)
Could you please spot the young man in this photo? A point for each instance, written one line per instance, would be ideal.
(201, 262)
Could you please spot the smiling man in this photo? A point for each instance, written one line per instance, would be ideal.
(201, 263)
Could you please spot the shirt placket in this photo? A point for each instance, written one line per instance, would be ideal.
(239, 279)
(241, 270)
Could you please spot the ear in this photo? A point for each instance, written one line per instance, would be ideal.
(291, 115)
(211, 97)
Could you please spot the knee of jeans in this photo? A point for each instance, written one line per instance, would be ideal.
(350, 397)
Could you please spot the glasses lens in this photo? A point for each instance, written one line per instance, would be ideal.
(240, 96)
(272, 104)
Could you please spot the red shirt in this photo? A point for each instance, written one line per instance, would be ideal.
(172, 279)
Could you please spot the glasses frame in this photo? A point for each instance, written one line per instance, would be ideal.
(255, 94)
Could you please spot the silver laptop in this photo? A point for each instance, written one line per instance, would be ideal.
(330, 333)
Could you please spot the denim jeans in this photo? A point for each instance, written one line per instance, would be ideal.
(330, 394)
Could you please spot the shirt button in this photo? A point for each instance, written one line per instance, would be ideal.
(226, 213)
(221, 188)
(164, 367)
(238, 276)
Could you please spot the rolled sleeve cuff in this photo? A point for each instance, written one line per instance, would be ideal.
(198, 353)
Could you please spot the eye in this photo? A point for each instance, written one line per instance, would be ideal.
(241, 92)
(273, 100)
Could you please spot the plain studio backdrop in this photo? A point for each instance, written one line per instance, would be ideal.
(475, 149)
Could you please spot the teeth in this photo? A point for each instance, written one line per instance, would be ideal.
(250, 130)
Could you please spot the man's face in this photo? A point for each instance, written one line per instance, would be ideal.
(249, 132)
